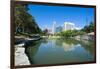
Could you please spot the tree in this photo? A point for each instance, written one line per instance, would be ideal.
(89, 28)
(25, 22)
(45, 31)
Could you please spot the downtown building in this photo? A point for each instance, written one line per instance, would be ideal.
(59, 29)
(54, 27)
(68, 26)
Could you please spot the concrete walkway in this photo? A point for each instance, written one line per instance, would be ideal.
(20, 56)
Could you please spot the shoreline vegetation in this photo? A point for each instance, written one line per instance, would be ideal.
(27, 30)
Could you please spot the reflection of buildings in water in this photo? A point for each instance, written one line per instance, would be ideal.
(69, 47)
(44, 42)
(51, 44)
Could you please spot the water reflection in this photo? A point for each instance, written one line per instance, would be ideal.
(53, 51)
(67, 44)
(32, 50)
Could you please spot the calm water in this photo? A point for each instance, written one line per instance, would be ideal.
(55, 51)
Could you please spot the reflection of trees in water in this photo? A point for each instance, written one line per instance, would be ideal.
(66, 41)
(70, 44)
(88, 46)
(58, 42)
(44, 41)
(67, 44)
(32, 49)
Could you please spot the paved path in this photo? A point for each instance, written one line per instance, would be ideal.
(20, 56)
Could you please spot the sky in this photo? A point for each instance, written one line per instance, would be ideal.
(45, 15)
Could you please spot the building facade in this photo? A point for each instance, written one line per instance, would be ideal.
(69, 26)
(54, 27)
(59, 29)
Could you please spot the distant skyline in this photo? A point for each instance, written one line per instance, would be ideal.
(46, 15)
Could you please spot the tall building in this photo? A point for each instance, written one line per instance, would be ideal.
(59, 29)
(69, 26)
(54, 27)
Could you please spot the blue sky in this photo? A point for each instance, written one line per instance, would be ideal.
(45, 15)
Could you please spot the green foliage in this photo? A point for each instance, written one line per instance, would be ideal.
(24, 22)
(45, 31)
(70, 33)
(89, 28)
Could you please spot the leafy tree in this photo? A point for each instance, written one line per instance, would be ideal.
(45, 32)
(25, 22)
(70, 33)
(89, 28)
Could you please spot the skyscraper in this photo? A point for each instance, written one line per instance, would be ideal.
(54, 27)
(69, 26)
(59, 29)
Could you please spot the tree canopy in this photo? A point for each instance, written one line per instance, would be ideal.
(25, 22)
(89, 28)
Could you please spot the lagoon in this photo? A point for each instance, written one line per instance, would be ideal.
(59, 50)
